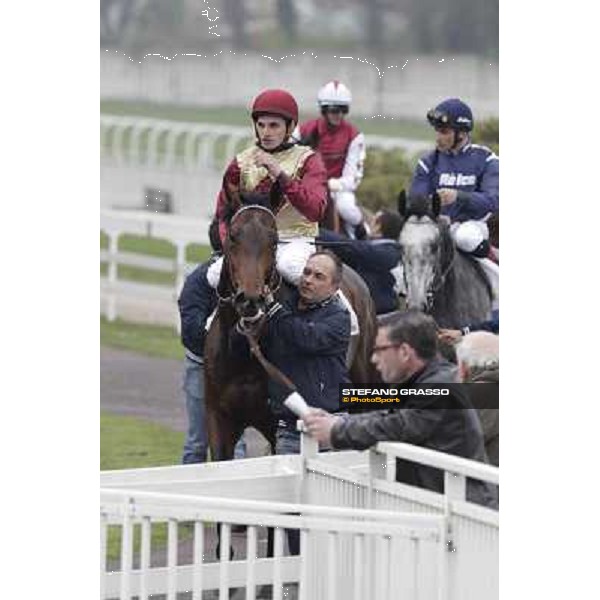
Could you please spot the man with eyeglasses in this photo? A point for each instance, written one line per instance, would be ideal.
(343, 149)
(406, 353)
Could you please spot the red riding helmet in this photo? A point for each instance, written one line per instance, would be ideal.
(275, 102)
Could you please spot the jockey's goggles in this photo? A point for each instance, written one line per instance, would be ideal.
(335, 109)
(438, 119)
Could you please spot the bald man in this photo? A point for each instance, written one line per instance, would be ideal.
(478, 355)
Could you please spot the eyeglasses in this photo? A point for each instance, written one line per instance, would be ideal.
(377, 349)
(335, 109)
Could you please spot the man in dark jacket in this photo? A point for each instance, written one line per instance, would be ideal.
(372, 259)
(307, 339)
(405, 353)
(196, 302)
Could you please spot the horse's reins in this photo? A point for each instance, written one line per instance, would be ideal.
(442, 280)
(272, 371)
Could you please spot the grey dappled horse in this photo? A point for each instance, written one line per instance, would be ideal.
(439, 279)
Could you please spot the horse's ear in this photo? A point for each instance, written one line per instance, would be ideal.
(436, 205)
(402, 203)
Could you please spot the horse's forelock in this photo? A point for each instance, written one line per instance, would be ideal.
(254, 226)
(446, 243)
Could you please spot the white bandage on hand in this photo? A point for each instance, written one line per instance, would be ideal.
(296, 403)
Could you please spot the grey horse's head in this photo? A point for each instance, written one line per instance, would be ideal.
(422, 242)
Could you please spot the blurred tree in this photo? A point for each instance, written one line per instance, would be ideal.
(287, 17)
(459, 26)
(375, 28)
(115, 16)
(235, 15)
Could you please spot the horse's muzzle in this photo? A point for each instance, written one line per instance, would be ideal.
(249, 309)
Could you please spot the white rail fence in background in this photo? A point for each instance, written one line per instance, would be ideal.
(186, 160)
(363, 535)
(163, 143)
(151, 303)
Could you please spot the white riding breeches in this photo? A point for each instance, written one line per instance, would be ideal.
(214, 273)
(291, 258)
(469, 234)
(345, 203)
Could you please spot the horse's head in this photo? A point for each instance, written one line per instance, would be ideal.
(426, 248)
(250, 251)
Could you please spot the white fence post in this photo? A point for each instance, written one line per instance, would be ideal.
(179, 266)
(113, 244)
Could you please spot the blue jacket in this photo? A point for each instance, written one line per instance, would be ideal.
(309, 346)
(474, 172)
(196, 302)
(492, 325)
(372, 260)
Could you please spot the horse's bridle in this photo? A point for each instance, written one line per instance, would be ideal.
(436, 287)
(438, 281)
(275, 279)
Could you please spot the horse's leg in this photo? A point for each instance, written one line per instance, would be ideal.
(267, 425)
(220, 435)
(221, 443)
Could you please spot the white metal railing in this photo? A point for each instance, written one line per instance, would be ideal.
(164, 143)
(362, 535)
(125, 508)
(177, 230)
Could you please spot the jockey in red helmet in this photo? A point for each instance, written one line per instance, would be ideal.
(297, 170)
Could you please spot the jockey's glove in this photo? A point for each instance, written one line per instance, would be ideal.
(334, 185)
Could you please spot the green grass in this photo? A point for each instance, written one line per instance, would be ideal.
(129, 443)
(194, 254)
(141, 275)
(396, 127)
(152, 340)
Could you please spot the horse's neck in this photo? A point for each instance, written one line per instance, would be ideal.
(453, 307)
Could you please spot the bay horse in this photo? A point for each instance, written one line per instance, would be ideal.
(440, 280)
(236, 393)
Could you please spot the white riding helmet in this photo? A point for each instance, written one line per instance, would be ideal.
(334, 93)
